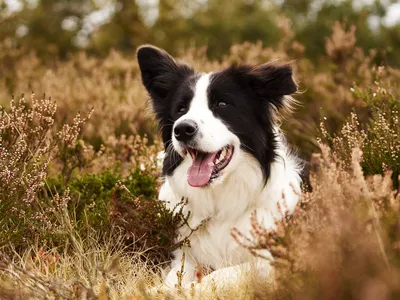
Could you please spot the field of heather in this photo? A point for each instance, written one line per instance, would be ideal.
(80, 171)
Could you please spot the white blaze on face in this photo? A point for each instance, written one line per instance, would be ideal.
(211, 137)
(212, 134)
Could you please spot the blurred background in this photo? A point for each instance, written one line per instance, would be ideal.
(79, 144)
(82, 53)
(60, 27)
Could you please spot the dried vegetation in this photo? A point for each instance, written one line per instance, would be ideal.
(79, 177)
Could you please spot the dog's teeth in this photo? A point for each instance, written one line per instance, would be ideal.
(223, 153)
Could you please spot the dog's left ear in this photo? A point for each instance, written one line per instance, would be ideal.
(161, 73)
(161, 76)
(271, 82)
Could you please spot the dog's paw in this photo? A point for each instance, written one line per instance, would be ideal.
(160, 291)
(166, 290)
(197, 288)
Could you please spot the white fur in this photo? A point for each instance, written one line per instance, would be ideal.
(229, 201)
(213, 134)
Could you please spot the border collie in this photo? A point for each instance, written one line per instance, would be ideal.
(224, 153)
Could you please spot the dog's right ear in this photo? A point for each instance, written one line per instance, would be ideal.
(161, 74)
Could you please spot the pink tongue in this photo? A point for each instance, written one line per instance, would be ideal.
(200, 171)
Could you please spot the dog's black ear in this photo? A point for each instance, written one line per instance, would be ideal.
(271, 82)
(161, 74)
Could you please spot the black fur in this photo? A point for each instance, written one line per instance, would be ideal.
(163, 77)
(251, 94)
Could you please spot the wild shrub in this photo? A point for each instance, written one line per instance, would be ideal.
(91, 196)
(40, 207)
(343, 239)
(147, 223)
(379, 138)
(113, 86)
(28, 144)
(69, 186)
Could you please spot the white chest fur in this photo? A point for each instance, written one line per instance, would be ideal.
(228, 205)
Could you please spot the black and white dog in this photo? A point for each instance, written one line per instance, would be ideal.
(224, 152)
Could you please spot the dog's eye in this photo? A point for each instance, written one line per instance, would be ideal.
(182, 109)
(221, 104)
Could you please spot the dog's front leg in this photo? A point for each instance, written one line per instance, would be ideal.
(183, 269)
(260, 269)
(181, 274)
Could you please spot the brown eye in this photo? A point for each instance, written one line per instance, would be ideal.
(221, 104)
(182, 109)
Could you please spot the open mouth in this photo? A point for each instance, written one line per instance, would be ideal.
(207, 166)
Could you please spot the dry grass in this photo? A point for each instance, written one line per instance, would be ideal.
(112, 85)
(68, 232)
(342, 242)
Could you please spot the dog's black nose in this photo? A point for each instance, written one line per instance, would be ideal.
(185, 130)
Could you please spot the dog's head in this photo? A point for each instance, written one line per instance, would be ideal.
(214, 119)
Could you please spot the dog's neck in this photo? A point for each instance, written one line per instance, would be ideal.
(243, 190)
(245, 183)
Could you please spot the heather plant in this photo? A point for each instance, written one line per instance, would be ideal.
(147, 224)
(28, 144)
(113, 86)
(77, 195)
(342, 240)
(91, 196)
(110, 85)
(379, 138)
(47, 183)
